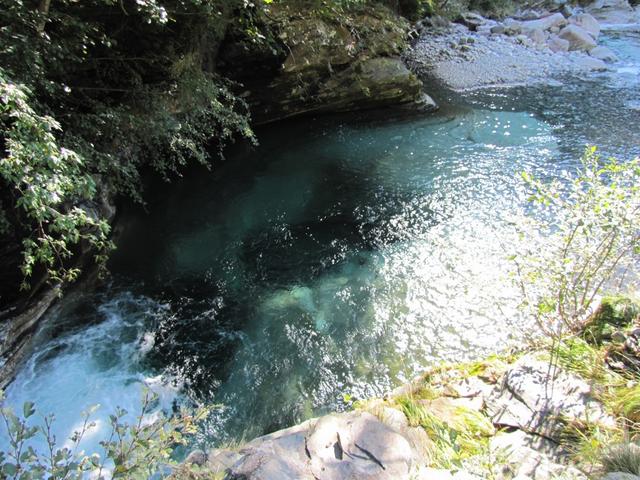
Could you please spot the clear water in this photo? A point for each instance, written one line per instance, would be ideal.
(341, 256)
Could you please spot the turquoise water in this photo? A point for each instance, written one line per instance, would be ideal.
(342, 256)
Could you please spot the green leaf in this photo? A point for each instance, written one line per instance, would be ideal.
(28, 409)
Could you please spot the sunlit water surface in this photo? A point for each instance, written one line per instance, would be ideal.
(339, 257)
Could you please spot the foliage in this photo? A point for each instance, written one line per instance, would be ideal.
(580, 239)
(93, 93)
(49, 182)
(131, 451)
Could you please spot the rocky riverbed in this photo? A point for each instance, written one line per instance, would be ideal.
(535, 46)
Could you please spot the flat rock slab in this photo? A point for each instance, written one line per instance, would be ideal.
(539, 399)
(354, 445)
(522, 455)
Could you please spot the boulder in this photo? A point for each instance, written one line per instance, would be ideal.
(539, 399)
(340, 446)
(613, 11)
(530, 14)
(277, 456)
(587, 23)
(357, 445)
(220, 460)
(471, 20)
(435, 21)
(578, 38)
(558, 44)
(620, 476)
(567, 10)
(546, 23)
(603, 53)
(537, 36)
(196, 457)
(529, 456)
(312, 57)
(591, 63)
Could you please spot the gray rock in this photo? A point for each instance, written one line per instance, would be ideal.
(620, 476)
(341, 446)
(590, 63)
(537, 36)
(393, 418)
(603, 53)
(578, 38)
(587, 23)
(522, 456)
(471, 20)
(357, 445)
(567, 10)
(498, 29)
(558, 44)
(539, 399)
(197, 457)
(530, 14)
(435, 21)
(423, 104)
(220, 460)
(613, 12)
(277, 456)
(555, 20)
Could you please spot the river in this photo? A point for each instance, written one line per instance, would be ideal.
(340, 257)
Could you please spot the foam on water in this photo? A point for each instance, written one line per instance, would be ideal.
(100, 364)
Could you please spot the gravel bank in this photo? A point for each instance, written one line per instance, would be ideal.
(462, 59)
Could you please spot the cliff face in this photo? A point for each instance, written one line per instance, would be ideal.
(320, 61)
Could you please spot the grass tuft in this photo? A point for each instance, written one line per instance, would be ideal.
(623, 457)
(464, 436)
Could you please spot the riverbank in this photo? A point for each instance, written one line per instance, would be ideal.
(520, 415)
(535, 46)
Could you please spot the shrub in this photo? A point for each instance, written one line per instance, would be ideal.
(137, 450)
(580, 238)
